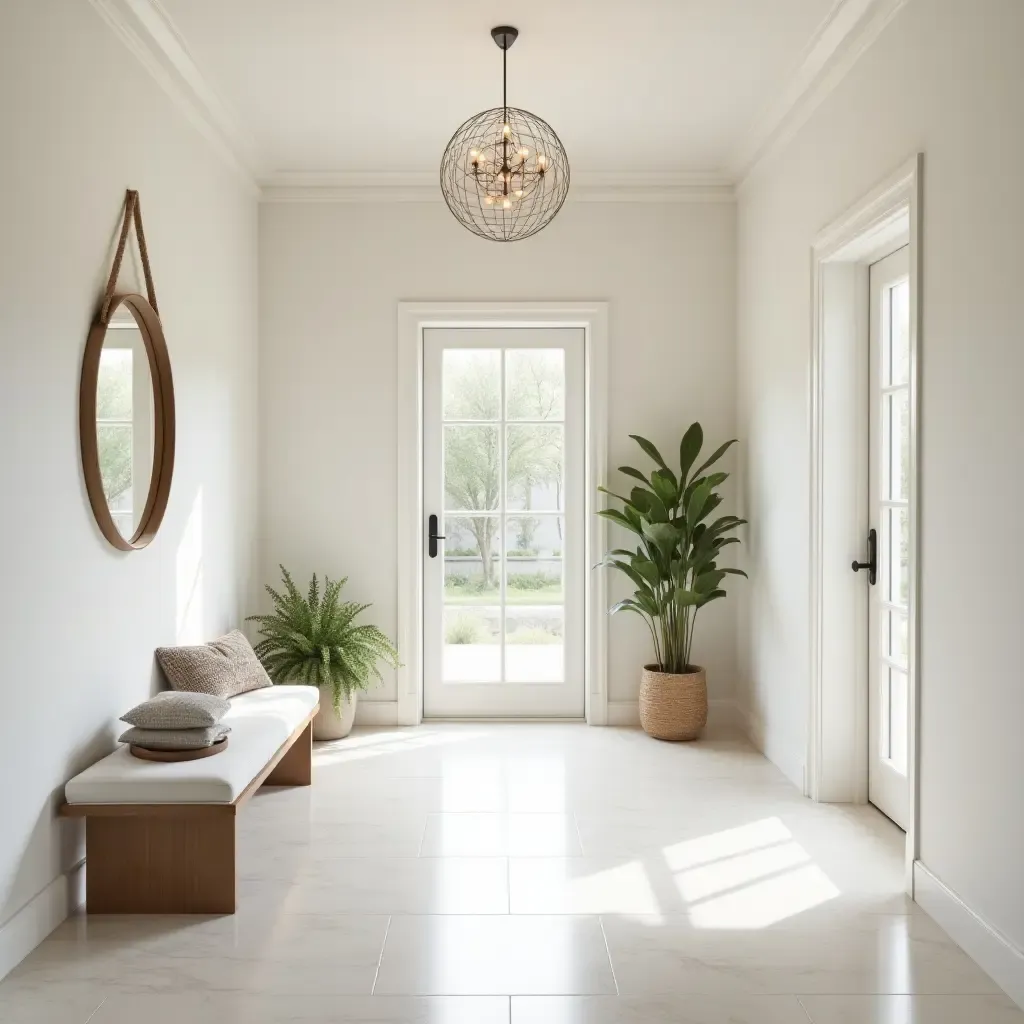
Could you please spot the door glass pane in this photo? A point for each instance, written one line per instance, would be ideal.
(894, 636)
(534, 644)
(896, 445)
(535, 384)
(898, 720)
(897, 366)
(472, 644)
(534, 459)
(472, 479)
(534, 599)
(472, 384)
(533, 559)
(472, 560)
(883, 712)
(472, 599)
(895, 556)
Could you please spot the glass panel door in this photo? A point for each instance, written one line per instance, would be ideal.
(503, 472)
(890, 466)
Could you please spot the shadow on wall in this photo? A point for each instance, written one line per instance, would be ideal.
(66, 847)
(69, 851)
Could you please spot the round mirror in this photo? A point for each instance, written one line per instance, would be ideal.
(127, 422)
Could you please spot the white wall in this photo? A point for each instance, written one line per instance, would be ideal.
(81, 121)
(331, 276)
(945, 78)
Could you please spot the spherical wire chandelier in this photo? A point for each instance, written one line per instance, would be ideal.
(505, 173)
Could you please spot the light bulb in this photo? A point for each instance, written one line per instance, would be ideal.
(488, 200)
(524, 152)
(506, 131)
(519, 193)
(506, 204)
(474, 154)
(541, 160)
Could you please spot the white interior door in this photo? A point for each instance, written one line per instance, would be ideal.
(889, 496)
(503, 472)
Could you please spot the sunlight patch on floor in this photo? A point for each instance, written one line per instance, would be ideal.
(361, 745)
(751, 877)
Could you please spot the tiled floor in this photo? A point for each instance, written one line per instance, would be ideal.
(531, 874)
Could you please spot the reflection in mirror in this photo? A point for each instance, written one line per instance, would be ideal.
(124, 421)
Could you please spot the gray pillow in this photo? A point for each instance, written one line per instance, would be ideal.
(224, 667)
(170, 739)
(176, 710)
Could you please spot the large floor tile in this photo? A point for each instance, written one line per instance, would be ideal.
(300, 954)
(933, 1009)
(490, 835)
(590, 885)
(74, 1004)
(694, 1009)
(404, 885)
(244, 1008)
(851, 954)
(430, 874)
(354, 939)
(265, 850)
(504, 955)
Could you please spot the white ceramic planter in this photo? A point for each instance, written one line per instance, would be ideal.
(328, 724)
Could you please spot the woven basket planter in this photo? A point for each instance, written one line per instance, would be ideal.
(673, 707)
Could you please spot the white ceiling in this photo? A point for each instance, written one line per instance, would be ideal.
(380, 85)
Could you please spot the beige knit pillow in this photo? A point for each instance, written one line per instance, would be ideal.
(224, 667)
(173, 709)
(174, 739)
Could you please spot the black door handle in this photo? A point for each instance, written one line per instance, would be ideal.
(433, 536)
(872, 563)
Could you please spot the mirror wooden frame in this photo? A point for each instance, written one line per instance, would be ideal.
(162, 470)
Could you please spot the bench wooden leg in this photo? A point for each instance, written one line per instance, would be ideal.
(160, 865)
(296, 767)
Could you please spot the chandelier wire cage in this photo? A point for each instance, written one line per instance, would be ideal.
(505, 173)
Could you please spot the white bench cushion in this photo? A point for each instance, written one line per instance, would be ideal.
(260, 720)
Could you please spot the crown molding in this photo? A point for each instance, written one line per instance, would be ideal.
(401, 187)
(850, 28)
(148, 32)
(847, 32)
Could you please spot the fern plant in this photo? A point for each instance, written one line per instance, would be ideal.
(314, 640)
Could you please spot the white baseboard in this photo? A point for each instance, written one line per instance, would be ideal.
(723, 715)
(784, 756)
(30, 925)
(623, 712)
(377, 712)
(989, 948)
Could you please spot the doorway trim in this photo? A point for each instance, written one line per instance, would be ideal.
(413, 317)
(837, 756)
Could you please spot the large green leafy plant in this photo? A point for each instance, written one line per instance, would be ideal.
(314, 640)
(675, 566)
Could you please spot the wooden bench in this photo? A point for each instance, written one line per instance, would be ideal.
(171, 851)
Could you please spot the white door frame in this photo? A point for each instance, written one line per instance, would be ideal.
(837, 757)
(413, 317)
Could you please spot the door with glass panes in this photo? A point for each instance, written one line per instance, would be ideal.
(503, 502)
(889, 549)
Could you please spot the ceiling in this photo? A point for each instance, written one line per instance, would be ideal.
(644, 86)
